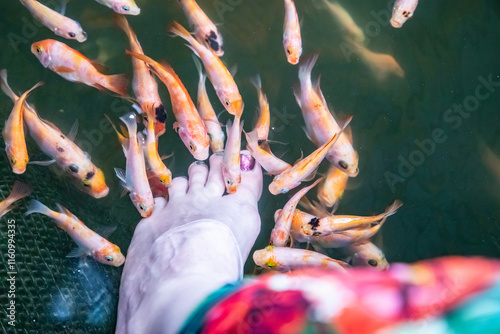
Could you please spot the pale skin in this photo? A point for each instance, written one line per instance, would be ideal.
(151, 287)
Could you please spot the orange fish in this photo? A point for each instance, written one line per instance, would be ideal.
(73, 66)
(204, 30)
(402, 11)
(189, 124)
(231, 171)
(219, 76)
(281, 230)
(271, 164)
(66, 154)
(144, 85)
(333, 224)
(19, 190)
(292, 41)
(264, 119)
(13, 133)
(366, 254)
(89, 243)
(286, 259)
(330, 191)
(293, 176)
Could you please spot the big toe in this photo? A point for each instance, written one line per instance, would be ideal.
(251, 177)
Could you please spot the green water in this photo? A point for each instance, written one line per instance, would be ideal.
(450, 196)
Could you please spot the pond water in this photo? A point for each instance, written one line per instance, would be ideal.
(429, 138)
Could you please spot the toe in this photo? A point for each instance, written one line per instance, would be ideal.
(197, 172)
(251, 177)
(215, 182)
(178, 187)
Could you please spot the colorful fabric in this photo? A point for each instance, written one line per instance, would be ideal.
(449, 294)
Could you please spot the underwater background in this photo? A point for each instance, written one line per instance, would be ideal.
(430, 138)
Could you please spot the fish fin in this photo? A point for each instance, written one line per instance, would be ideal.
(137, 108)
(73, 131)
(307, 133)
(20, 190)
(233, 70)
(62, 209)
(42, 163)
(297, 92)
(141, 141)
(100, 67)
(311, 176)
(256, 81)
(319, 249)
(121, 138)
(176, 126)
(117, 83)
(77, 252)
(63, 69)
(193, 49)
(317, 90)
(5, 86)
(393, 208)
(306, 66)
(105, 231)
(348, 133)
(62, 8)
(229, 125)
(120, 173)
(199, 68)
(177, 29)
(320, 210)
(130, 121)
(142, 57)
(275, 142)
(334, 207)
(164, 157)
(35, 206)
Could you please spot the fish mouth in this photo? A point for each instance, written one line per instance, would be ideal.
(101, 194)
(82, 37)
(396, 24)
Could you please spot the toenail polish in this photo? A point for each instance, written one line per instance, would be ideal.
(247, 162)
(198, 162)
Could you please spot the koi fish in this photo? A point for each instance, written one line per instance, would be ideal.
(333, 224)
(346, 21)
(368, 255)
(144, 85)
(281, 230)
(381, 65)
(207, 113)
(217, 73)
(188, 122)
(299, 219)
(402, 11)
(292, 42)
(150, 146)
(61, 149)
(58, 23)
(134, 179)
(293, 176)
(271, 164)
(19, 191)
(231, 171)
(330, 191)
(13, 133)
(128, 7)
(75, 67)
(320, 124)
(89, 242)
(204, 29)
(285, 259)
(264, 119)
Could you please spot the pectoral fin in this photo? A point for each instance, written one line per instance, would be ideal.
(63, 69)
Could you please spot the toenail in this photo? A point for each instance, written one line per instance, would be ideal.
(199, 162)
(247, 162)
(220, 154)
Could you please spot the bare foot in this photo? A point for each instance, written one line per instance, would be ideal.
(189, 247)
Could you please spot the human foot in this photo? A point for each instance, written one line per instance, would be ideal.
(191, 245)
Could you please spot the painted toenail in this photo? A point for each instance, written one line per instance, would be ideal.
(247, 162)
(199, 162)
(220, 154)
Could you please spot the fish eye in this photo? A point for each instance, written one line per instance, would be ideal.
(230, 182)
(126, 8)
(72, 34)
(13, 160)
(372, 262)
(38, 49)
(192, 147)
(142, 207)
(288, 50)
(227, 102)
(73, 168)
(316, 234)
(343, 164)
(109, 258)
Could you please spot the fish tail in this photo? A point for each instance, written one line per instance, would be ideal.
(177, 29)
(203, 76)
(142, 57)
(35, 206)
(257, 82)
(131, 123)
(5, 86)
(116, 83)
(19, 190)
(25, 95)
(393, 208)
(306, 67)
